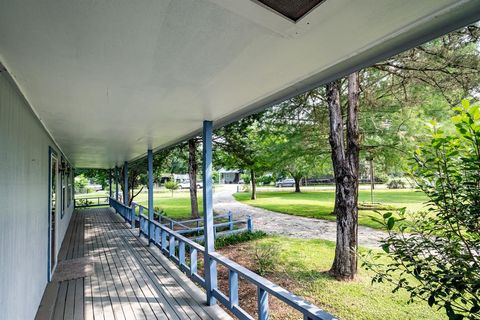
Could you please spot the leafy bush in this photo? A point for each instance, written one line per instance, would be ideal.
(439, 259)
(157, 213)
(265, 180)
(266, 257)
(84, 202)
(245, 177)
(238, 238)
(80, 183)
(396, 184)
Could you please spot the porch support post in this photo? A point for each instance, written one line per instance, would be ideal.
(150, 195)
(116, 183)
(73, 187)
(110, 181)
(210, 264)
(125, 177)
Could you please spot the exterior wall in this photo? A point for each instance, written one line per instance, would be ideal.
(24, 168)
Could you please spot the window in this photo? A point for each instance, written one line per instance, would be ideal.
(69, 188)
(63, 186)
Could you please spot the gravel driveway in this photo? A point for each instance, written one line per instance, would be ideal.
(288, 225)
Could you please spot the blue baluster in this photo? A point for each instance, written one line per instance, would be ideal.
(233, 289)
(262, 301)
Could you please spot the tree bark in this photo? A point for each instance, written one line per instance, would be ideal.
(297, 184)
(132, 195)
(345, 158)
(192, 174)
(253, 180)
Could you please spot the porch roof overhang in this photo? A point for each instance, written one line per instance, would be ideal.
(109, 79)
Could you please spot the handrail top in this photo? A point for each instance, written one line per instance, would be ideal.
(223, 224)
(92, 197)
(201, 218)
(277, 291)
(179, 222)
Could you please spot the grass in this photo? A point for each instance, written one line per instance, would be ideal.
(303, 266)
(319, 204)
(176, 207)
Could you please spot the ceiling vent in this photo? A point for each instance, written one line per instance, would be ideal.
(291, 9)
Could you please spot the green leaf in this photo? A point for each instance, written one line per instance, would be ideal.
(386, 248)
(475, 309)
(390, 223)
(387, 215)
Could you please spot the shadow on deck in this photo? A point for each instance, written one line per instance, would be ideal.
(106, 272)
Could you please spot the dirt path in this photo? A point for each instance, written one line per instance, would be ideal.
(288, 225)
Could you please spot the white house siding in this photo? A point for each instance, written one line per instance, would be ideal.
(24, 167)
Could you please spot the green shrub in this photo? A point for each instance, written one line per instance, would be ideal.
(266, 257)
(436, 256)
(84, 202)
(238, 238)
(396, 184)
(265, 180)
(245, 177)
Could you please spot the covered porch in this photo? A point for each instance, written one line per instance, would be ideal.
(106, 271)
(101, 84)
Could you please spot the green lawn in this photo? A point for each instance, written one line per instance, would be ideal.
(176, 207)
(319, 204)
(305, 264)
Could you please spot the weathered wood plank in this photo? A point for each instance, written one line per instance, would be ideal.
(88, 293)
(79, 301)
(60, 303)
(118, 279)
(70, 300)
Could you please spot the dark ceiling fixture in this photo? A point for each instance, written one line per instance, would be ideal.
(292, 9)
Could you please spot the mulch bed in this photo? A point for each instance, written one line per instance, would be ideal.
(247, 294)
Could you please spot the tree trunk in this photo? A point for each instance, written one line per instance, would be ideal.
(253, 180)
(372, 179)
(346, 166)
(192, 174)
(297, 184)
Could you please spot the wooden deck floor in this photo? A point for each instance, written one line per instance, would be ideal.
(128, 280)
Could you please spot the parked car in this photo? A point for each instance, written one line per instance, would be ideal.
(285, 183)
(185, 184)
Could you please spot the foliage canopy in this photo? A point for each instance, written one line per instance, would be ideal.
(436, 256)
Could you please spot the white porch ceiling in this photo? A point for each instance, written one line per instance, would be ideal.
(109, 79)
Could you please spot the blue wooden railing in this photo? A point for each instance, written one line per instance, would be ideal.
(184, 252)
(86, 202)
(224, 225)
